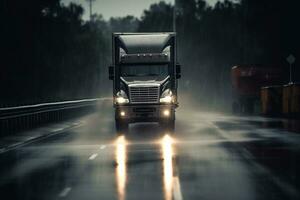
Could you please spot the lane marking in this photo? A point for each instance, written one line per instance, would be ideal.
(58, 129)
(92, 157)
(102, 146)
(65, 192)
(38, 138)
(177, 189)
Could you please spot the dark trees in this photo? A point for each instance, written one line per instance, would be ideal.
(51, 54)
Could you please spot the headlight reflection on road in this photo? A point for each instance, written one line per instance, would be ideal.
(167, 152)
(121, 166)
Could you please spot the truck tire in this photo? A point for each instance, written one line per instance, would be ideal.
(121, 127)
(168, 126)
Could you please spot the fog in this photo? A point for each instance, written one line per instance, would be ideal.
(52, 53)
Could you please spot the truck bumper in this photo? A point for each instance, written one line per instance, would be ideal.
(145, 113)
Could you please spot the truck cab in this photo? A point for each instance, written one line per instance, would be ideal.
(144, 72)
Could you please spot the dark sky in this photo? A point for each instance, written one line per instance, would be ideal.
(119, 8)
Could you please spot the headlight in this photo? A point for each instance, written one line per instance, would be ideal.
(122, 98)
(166, 97)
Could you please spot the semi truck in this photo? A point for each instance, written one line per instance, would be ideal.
(247, 81)
(145, 77)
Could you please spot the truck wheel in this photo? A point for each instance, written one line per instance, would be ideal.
(169, 126)
(121, 127)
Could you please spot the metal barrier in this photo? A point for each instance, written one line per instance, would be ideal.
(13, 119)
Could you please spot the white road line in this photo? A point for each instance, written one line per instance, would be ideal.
(36, 139)
(65, 192)
(92, 157)
(177, 189)
(102, 146)
(58, 129)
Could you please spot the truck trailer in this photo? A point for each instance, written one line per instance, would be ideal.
(145, 77)
(247, 81)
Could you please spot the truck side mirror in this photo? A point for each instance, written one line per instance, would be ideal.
(111, 72)
(178, 71)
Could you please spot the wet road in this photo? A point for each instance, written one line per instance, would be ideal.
(210, 156)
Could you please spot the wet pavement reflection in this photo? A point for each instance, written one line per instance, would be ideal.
(121, 166)
(210, 156)
(167, 153)
(166, 144)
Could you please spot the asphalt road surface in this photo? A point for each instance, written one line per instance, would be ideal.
(210, 156)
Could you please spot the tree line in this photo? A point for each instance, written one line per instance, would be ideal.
(51, 54)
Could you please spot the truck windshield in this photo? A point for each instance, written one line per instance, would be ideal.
(144, 70)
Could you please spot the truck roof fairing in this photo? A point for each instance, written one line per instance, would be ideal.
(144, 42)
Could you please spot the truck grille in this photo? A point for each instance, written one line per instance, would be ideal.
(144, 94)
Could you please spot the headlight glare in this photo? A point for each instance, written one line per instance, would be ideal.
(121, 98)
(166, 97)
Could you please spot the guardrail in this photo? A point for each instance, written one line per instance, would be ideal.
(13, 119)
